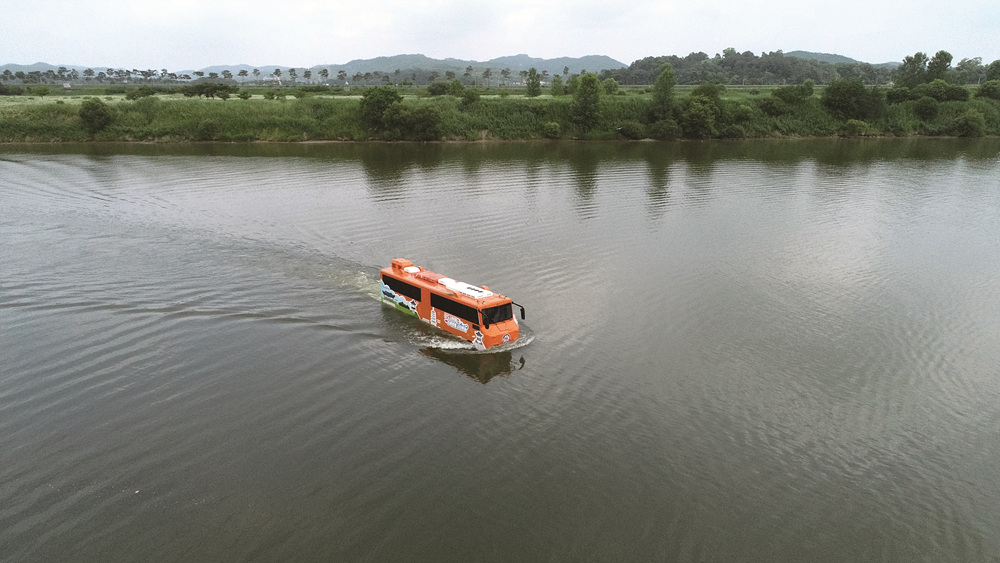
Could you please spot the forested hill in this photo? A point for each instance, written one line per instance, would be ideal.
(732, 67)
(516, 63)
(822, 57)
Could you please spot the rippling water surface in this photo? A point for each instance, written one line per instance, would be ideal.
(753, 352)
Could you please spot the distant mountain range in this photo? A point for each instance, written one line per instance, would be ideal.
(404, 63)
(516, 63)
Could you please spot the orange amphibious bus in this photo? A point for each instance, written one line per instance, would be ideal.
(473, 313)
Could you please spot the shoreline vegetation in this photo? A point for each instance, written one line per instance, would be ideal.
(584, 107)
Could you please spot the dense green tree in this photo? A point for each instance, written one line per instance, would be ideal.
(899, 94)
(403, 121)
(140, 92)
(850, 99)
(773, 106)
(971, 123)
(95, 115)
(533, 82)
(572, 84)
(942, 91)
(702, 112)
(792, 95)
(993, 70)
(610, 86)
(926, 108)
(913, 71)
(586, 102)
(454, 88)
(989, 89)
(437, 88)
(207, 89)
(469, 97)
(663, 93)
(557, 86)
(698, 118)
(374, 103)
(938, 66)
(970, 71)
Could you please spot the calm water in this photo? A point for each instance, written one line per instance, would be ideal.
(738, 352)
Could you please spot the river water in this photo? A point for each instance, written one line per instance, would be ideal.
(775, 351)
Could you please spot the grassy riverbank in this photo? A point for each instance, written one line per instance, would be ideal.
(697, 112)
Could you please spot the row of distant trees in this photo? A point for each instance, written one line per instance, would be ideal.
(471, 77)
(730, 67)
(109, 76)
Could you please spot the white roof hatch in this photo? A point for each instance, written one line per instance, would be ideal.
(465, 288)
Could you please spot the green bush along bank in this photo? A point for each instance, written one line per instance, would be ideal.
(594, 111)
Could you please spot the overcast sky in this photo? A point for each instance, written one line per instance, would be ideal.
(193, 34)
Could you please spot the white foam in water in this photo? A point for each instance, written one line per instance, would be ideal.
(464, 347)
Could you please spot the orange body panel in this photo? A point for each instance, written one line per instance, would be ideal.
(452, 306)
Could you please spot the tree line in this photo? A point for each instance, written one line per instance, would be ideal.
(926, 96)
(775, 68)
(923, 102)
(485, 78)
(730, 68)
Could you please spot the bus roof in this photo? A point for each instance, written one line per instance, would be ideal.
(462, 292)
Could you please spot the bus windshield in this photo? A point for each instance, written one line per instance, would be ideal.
(498, 314)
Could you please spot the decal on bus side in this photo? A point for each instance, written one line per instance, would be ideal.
(455, 322)
(400, 301)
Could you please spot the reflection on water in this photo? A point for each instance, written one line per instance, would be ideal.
(775, 350)
(481, 367)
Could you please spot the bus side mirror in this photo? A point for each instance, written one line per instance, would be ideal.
(522, 309)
